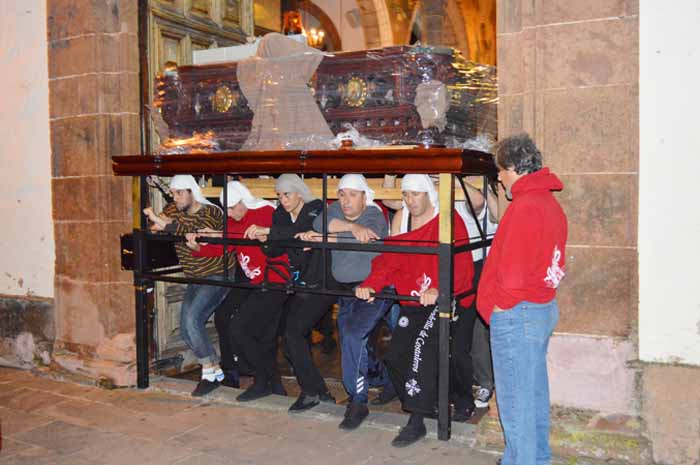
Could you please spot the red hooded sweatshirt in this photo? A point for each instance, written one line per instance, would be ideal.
(413, 273)
(527, 256)
(250, 258)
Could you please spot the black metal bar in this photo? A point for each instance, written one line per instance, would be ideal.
(140, 290)
(482, 233)
(225, 207)
(273, 287)
(445, 304)
(473, 245)
(374, 247)
(324, 281)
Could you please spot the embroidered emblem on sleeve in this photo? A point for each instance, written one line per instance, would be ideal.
(554, 272)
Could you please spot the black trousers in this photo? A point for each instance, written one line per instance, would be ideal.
(254, 328)
(461, 368)
(232, 359)
(412, 359)
(304, 311)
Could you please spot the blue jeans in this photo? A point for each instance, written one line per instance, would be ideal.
(519, 340)
(356, 320)
(199, 304)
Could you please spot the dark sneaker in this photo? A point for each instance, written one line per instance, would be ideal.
(327, 397)
(462, 415)
(355, 414)
(304, 402)
(276, 387)
(231, 380)
(204, 387)
(254, 392)
(387, 395)
(408, 435)
(483, 395)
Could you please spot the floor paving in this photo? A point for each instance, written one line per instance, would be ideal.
(48, 422)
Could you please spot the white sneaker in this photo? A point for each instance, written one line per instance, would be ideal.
(483, 395)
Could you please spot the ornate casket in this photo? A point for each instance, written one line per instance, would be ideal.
(373, 91)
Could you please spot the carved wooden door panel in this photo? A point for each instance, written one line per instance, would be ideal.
(177, 28)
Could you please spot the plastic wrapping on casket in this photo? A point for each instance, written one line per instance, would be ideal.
(293, 97)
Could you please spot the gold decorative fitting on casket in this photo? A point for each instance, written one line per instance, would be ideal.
(355, 92)
(222, 99)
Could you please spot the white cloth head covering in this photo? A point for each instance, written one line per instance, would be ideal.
(359, 183)
(186, 181)
(418, 183)
(238, 192)
(289, 182)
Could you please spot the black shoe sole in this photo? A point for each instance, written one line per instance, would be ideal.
(406, 441)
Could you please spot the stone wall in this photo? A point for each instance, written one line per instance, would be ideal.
(568, 75)
(27, 331)
(94, 114)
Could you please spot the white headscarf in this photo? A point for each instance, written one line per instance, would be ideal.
(418, 183)
(289, 182)
(238, 192)
(359, 183)
(186, 181)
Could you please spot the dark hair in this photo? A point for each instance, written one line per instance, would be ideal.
(520, 153)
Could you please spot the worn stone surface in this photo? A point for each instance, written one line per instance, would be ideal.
(560, 12)
(592, 130)
(574, 379)
(599, 294)
(95, 426)
(601, 209)
(588, 54)
(19, 315)
(671, 410)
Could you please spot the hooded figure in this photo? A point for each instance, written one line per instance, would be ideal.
(418, 183)
(186, 181)
(359, 183)
(293, 183)
(238, 192)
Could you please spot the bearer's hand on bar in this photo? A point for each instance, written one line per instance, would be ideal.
(309, 236)
(429, 297)
(208, 232)
(363, 234)
(365, 293)
(255, 232)
(191, 241)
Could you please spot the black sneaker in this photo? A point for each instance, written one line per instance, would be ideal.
(304, 402)
(326, 397)
(254, 392)
(387, 395)
(277, 388)
(355, 414)
(204, 387)
(231, 380)
(483, 395)
(409, 434)
(462, 415)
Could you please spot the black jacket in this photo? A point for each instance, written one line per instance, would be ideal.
(309, 264)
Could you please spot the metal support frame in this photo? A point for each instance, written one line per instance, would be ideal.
(445, 249)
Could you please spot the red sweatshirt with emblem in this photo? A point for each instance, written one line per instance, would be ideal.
(250, 258)
(413, 273)
(527, 257)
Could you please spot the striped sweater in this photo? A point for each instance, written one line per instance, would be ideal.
(206, 217)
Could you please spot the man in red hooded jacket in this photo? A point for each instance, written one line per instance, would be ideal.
(516, 295)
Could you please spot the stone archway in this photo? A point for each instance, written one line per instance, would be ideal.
(376, 23)
(327, 25)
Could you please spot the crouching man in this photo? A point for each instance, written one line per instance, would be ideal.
(354, 218)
